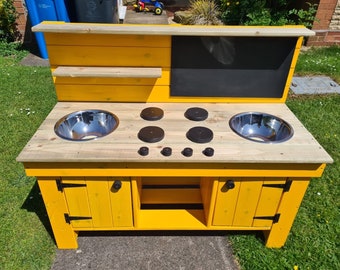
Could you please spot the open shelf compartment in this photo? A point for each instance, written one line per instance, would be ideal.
(172, 203)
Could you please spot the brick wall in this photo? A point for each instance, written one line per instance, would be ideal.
(22, 18)
(327, 24)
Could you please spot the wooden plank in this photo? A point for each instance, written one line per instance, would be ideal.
(56, 207)
(99, 200)
(269, 201)
(171, 196)
(261, 31)
(179, 219)
(110, 93)
(226, 201)
(62, 55)
(77, 202)
(107, 72)
(101, 40)
(121, 203)
(289, 206)
(247, 202)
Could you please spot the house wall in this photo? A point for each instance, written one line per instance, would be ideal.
(327, 24)
(22, 18)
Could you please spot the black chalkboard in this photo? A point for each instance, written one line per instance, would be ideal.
(230, 66)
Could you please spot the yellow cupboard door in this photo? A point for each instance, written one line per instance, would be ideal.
(246, 202)
(79, 214)
(121, 201)
(270, 197)
(227, 193)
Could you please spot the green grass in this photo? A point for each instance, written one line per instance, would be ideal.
(27, 95)
(320, 61)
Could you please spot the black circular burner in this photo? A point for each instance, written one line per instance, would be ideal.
(151, 134)
(200, 135)
(196, 114)
(152, 114)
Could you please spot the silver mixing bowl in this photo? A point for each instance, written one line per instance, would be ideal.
(261, 127)
(86, 125)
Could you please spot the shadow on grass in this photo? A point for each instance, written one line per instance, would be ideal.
(34, 203)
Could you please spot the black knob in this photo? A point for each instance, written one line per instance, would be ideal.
(209, 152)
(143, 151)
(187, 152)
(166, 151)
(117, 185)
(230, 184)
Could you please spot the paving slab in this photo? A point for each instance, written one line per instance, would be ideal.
(34, 60)
(149, 251)
(133, 17)
(314, 85)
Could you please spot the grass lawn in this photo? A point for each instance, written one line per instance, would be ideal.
(27, 96)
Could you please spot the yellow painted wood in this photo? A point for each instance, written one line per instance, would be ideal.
(171, 196)
(101, 40)
(292, 68)
(196, 170)
(247, 201)
(268, 203)
(108, 56)
(226, 203)
(171, 181)
(121, 203)
(208, 197)
(136, 193)
(77, 202)
(179, 219)
(99, 201)
(54, 200)
(110, 93)
(107, 72)
(288, 208)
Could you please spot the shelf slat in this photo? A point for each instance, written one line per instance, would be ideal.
(107, 72)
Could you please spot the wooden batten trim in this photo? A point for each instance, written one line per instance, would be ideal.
(169, 30)
(107, 72)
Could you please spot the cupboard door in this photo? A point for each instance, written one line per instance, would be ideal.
(121, 201)
(248, 197)
(225, 203)
(249, 202)
(268, 204)
(75, 191)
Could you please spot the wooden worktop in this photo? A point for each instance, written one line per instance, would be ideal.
(122, 144)
(173, 30)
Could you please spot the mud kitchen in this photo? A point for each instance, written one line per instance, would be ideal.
(161, 127)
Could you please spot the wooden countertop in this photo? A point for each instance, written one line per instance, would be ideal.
(173, 30)
(122, 144)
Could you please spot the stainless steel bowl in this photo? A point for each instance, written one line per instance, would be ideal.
(86, 125)
(261, 127)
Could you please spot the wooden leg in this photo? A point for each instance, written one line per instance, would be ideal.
(288, 208)
(65, 236)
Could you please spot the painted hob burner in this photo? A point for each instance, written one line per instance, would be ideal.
(153, 134)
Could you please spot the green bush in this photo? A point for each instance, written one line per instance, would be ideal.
(203, 12)
(8, 16)
(265, 12)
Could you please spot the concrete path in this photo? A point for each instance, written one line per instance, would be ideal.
(147, 251)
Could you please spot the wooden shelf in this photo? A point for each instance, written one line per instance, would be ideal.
(107, 72)
(179, 219)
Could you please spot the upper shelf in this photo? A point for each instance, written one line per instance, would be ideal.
(173, 30)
